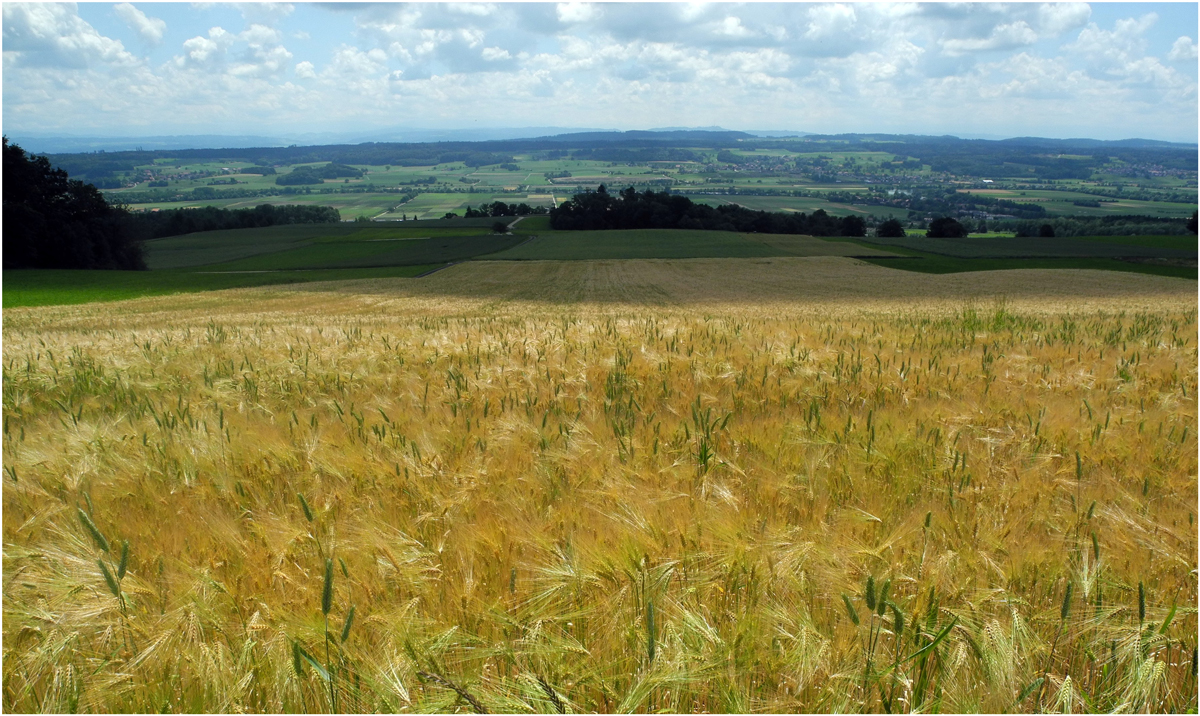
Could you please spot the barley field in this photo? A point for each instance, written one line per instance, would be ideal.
(788, 484)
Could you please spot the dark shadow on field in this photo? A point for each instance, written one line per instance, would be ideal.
(683, 282)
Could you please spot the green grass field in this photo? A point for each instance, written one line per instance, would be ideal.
(315, 252)
(345, 253)
(1036, 247)
(798, 204)
(35, 287)
(673, 244)
(432, 205)
(357, 240)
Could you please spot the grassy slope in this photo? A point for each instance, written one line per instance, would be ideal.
(347, 254)
(1035, 247)
(35, 287)
(212, 247)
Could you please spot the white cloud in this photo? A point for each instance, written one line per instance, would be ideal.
(571, 13)
(826, 21)
(50, 34)
(617, 64)
(471, 8)
(150, 29)
(206, 50)
(1003, 37)
(732, 27)
(1183, 50)
(267, 13)
(1056, 18)
(1114, 46)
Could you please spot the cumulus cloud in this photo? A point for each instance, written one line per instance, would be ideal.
(849, 66)
(575, 12)
(267, 13)
(1053, 19)
(203, 50)
(1003, 37)
(1183, 50)
(1116, 46)
(51, 34)
(150, 29)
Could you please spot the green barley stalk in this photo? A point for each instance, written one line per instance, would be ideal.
(304, 505)
(349, 623)
(326, 605)
(108, 579)
(90, 526)
(124, 563)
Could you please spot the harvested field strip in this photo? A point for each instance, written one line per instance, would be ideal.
(676, 244)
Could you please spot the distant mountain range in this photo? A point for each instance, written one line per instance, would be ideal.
(45, 144)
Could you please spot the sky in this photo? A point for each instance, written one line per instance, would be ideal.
(1103, 71)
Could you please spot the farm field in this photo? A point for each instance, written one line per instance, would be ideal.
(351, 206)
(435, 206)
(1062, 202)
(727, 485)
(299, 245)
(1182, 247)
(53, 287)
(674, 243)
(798, 204)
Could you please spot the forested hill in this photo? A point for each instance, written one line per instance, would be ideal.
(978, 157)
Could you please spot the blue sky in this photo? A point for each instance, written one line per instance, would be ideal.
(1104, 70)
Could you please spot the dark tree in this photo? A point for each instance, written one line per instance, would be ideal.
(1046, 231)
(892, 228)
(51, 221)
(853, 226)
(946, 228)
(500, 227)
(1192, 223)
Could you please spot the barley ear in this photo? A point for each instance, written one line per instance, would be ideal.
(1095, 547)
(93, 530)
(898, 619)
(304, 505)
(108, 578)
(297, 662)
(1141, 603)
(349, 623)
(850, 609)
(869, 595)
(327, 592)
(1066, 605)
(882, 599)
(124, 563)
(651, 636)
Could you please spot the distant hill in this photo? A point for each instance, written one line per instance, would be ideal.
(1048, 143)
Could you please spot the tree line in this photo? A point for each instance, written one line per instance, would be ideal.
(53, 221)
(175, 222)
(662, 210)
(499, 208)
